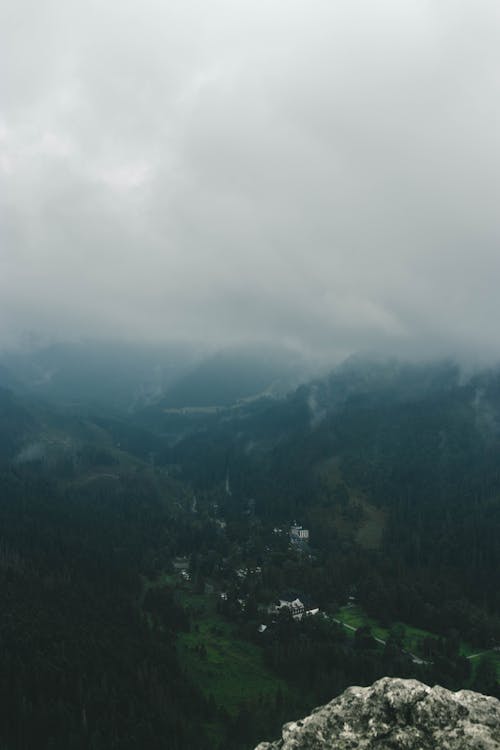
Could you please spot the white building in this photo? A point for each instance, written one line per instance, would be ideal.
(298, 534)
(296, 608)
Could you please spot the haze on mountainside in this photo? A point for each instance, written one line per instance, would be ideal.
(323, 176)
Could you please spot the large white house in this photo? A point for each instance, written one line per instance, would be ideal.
(298, 534)
(295, 606)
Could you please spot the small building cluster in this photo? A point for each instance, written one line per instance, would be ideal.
(236, 582)
(242, 573)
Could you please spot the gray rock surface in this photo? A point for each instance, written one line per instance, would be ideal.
(396, 714)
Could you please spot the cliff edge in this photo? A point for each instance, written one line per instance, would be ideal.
(395, 714)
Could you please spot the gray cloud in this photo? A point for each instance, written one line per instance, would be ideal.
(324, 174)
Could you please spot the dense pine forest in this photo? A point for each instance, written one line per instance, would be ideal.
(142, 550)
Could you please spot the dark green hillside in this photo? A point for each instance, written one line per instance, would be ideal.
(81, 524)
(80, 667)
(123, 377)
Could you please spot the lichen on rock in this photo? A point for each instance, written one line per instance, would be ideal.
(396, 714)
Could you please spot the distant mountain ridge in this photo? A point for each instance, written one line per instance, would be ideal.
(235, 374)
(126, 376)
(117, 375)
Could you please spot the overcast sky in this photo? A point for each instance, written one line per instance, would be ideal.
(323, 173)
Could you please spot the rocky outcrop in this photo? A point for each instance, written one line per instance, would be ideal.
(396, 714)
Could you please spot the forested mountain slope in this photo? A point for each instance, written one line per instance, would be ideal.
(81, 524)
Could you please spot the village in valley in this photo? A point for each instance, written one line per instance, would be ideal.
(244, 592)
(238, 586)
(253, 587)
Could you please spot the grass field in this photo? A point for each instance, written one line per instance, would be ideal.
(223, 665)
(369, 531)
(354, 617)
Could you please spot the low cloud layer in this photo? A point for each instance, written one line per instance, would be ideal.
(325, 175)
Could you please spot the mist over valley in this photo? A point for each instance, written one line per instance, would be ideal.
(249, 374)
